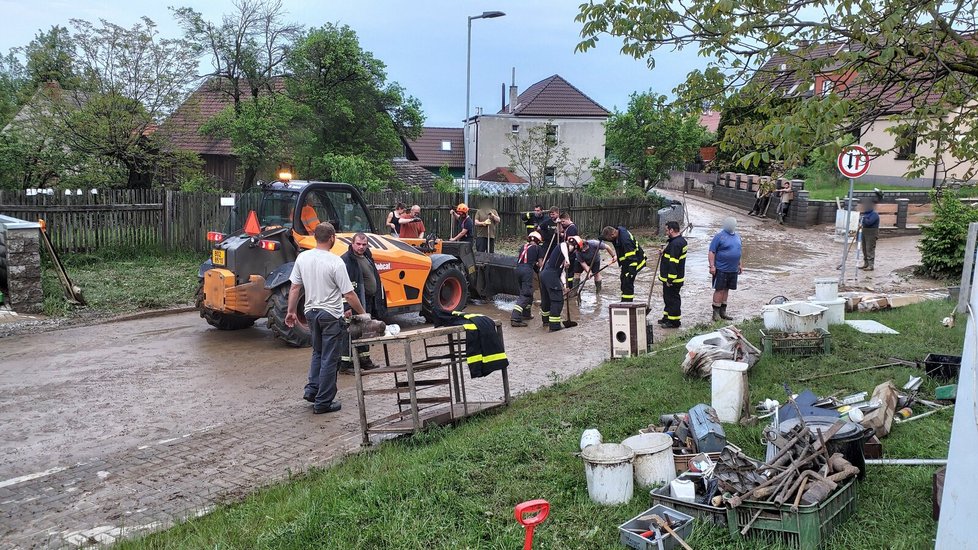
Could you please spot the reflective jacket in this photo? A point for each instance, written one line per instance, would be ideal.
(672, 266)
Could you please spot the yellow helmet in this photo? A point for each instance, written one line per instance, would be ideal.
(462, 207)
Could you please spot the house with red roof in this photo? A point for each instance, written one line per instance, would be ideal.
(571, 118)
(437, 147)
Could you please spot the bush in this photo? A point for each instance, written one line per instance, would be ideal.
(943, 243)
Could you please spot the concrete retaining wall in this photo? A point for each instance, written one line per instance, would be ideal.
(20, 264)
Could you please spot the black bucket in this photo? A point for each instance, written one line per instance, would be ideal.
(849, 440)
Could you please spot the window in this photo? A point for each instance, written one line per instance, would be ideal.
(909, 146)
(515, 129)
(827, 86)
(553, 134)
(550, 175)
(446, 145)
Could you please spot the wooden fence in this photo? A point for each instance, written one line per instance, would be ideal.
(129, 218)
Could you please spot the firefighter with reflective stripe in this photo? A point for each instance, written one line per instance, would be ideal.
(672, 273)
(568, 229)
(484, 351)
(631, 258)
(551, 284)
(532, 220)
(528, 262)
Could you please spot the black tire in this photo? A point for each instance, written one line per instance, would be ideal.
(447, 289)
(278, 307)
(217, 319)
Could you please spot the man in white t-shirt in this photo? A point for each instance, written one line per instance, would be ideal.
(323, 276)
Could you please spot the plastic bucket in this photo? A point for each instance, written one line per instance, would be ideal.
(772, 318)
(729, 389)
(653, 459)
(803, 317)
(609, 473)
(826, 289)
(835, 310)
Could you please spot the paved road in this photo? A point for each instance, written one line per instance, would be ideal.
(120, 428)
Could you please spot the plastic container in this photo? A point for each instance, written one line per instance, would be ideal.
(589, 437)
(682, 460)
(784, 343)
(943, 367)
(803, 317)
(826, 289)
(773, 320)
(710, 338)
(609, 473)
(653, 458)
(729, 389)
(683, 490)
(717, 515)
(634, 539)
(806, 529)
(835, 313)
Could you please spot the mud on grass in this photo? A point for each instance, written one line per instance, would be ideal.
(456, 487)
(120, 281)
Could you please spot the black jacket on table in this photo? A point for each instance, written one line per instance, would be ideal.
(484, 350)
(379, 304)
(672, 266)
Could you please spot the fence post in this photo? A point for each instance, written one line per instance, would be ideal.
(964, 292)
(167, 220)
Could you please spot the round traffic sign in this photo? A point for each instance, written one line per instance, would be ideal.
(853, 161)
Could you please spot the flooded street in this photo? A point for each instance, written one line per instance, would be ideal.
(151, 419)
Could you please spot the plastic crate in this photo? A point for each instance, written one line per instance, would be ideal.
(785, 343)
(682, 461)
(806, 529)
(703, 512)
(635, 540)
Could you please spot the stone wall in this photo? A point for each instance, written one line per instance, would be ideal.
(20, 264)
(671, 213)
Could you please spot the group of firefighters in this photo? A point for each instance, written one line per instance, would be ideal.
(559, 256)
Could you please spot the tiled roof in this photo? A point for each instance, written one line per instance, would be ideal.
(427, 149)
(411, 174)
(555, 97)
(710, 120)
(182, 128)
(501, 175)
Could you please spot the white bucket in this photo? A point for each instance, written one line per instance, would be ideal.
(840, 224)
(590, 437)
(609, 473)
(773, 320)
(803, 317)
(835, 310)
(826, 289)
(654, 464)
(729, 389)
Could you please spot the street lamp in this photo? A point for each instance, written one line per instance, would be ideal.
(468, 89)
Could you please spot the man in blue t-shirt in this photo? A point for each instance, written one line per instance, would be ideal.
(870, 221)
(726, 251)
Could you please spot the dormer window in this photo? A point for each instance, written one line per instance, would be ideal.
(446, 145)
(827, 86)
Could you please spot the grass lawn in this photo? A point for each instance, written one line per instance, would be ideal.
(120, 281)
(828, 192)
(456, 487)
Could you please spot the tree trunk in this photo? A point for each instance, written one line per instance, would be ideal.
(249, 178)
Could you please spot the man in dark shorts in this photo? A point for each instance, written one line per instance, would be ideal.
(726, 251)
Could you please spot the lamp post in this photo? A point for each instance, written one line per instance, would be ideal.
(468, 89)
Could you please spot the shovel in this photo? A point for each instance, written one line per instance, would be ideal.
(540, 509)
(568, 323)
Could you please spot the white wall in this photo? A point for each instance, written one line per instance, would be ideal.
(583, 137)
(890, 170)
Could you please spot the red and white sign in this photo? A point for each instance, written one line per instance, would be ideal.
(853, 161)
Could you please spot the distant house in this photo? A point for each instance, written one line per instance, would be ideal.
(411, 174)
(437, 147)
(890, 167)
(572, 118)
(501, 175)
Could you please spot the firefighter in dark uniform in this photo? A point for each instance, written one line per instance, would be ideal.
(532, 220)
(631, 258)
(552, 285)
(569, 229)
(672, 273)
(528, 263)
(550, 231)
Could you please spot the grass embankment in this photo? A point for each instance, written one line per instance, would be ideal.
(456, 487)
(120, 281)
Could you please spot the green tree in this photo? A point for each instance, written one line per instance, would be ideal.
(537, 156)
(353, 110)
(652, 137)
(14, 86)
(445, 182)
(51, 57)
(943, 243)
(358, 170)
(917, 59)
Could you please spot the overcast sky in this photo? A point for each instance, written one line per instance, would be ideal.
(422, 42)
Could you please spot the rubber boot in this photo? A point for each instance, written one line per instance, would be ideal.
(716, 314)
(865, 266)
(870, 267)
(723, 313)
(597, 286)
(516, 323)
(554, 327)
(527, 314)
(544, 317)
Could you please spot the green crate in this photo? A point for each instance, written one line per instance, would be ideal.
(776, 342)
(806, 529)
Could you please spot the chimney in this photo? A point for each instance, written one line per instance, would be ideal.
(502, 97)
(513, 95)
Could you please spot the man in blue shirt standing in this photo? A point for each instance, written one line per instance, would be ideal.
(871, 232)
(726, 251)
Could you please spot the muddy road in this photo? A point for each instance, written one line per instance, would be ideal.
(108, 393)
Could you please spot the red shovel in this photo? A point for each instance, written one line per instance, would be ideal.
(539, 509)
